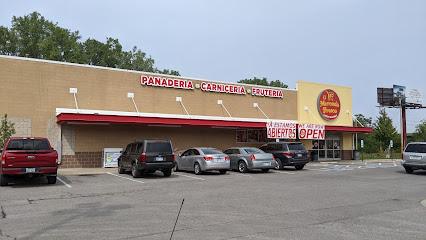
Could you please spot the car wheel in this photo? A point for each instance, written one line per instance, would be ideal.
(265, 170)
(223, 171)
(299, 167)
(278, 164)
(197, 169)
(120, 168)
(51, 179)
(3, 180)
(135, 172)
(409, 170)
(167, 172)
(242, 167)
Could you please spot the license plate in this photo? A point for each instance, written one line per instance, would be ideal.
(299, 155)
(266, 164)
(219, 159)
(415, 157)
(30, 170)
(159, 159)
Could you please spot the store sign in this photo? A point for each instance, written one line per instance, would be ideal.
(311, 131)
(281, 130)
(223, 88)
(166, 82)
(329, 105)
(209, 87)
(263, 92)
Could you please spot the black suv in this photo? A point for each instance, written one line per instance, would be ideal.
(288, 154)
(147, 156)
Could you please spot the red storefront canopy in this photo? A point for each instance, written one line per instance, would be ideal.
(77, 118)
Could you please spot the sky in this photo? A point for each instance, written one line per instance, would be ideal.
(362, 44)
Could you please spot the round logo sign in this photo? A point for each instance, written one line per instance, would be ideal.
(328, 105)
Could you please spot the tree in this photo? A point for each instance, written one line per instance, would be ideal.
(384, 131)
(35, 37)
(366, 122)
(264, 82)
(7, 129)
(420, 132)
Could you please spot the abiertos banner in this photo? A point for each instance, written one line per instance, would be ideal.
(311, 131)
(281, 130)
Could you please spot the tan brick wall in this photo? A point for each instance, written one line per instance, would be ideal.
(82, 160)
(52, 132)
(22, 126)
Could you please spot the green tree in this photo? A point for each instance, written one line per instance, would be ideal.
(420, 132)
(264, 82)
(383, 130)
(35, 37)
(7, 129)
(365, 121)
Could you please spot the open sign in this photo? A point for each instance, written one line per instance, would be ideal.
(311, 131)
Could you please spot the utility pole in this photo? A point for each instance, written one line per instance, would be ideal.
(403, 125)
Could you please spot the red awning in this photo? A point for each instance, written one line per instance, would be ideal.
(110, 119)
(63, 118)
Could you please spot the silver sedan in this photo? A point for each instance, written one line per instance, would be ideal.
(244, 159)
(201, 160)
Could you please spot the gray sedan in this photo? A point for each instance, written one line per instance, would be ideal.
(200, 160)
(244, 159)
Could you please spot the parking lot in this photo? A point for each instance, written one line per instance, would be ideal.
(335, 200)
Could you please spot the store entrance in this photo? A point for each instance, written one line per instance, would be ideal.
(328, 149)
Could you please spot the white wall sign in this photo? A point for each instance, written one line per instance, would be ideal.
(223, 88)
(264, 92)
(311, 131)
(281, 130)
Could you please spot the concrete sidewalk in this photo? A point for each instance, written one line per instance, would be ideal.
(89, 171)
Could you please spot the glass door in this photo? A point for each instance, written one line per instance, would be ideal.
(328, 149)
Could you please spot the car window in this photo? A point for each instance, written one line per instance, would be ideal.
(28, 144)
(236, 151)
(263, 148)
(133, 147)
(416, 147)
(228, 151)
(160, 147)
(211, 151)
(195, 152)
(296, 146)
(139, 147)
(128, 148)
(187, 152)
(253, 150)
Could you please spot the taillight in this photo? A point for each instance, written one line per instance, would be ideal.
(56, 159)
(208, 158)
(227, 158)
(3, 159)
(307, 154)
(287, 154)
(143, 157)
(173, 158)
(273, 157)
(252, 157)
(402, 156)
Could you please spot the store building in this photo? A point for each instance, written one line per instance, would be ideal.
(85, 109)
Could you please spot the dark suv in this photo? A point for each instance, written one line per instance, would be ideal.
(147, 156)
(288, 154)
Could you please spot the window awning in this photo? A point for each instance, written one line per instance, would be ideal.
(82, 116)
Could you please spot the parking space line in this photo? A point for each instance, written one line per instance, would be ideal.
(284, 172)
(240, 174)
(188, 176)
(66, 184)
(125, 177)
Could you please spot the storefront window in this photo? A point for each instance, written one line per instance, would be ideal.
(252, 136)
(241, 136)
(328, 149)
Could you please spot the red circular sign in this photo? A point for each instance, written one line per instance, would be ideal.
(329, 104)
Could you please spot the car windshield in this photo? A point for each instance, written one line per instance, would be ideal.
(28, 144)
(211, 151)
(416, 147)
(296, 146)
(160, 147)
(253, 150)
